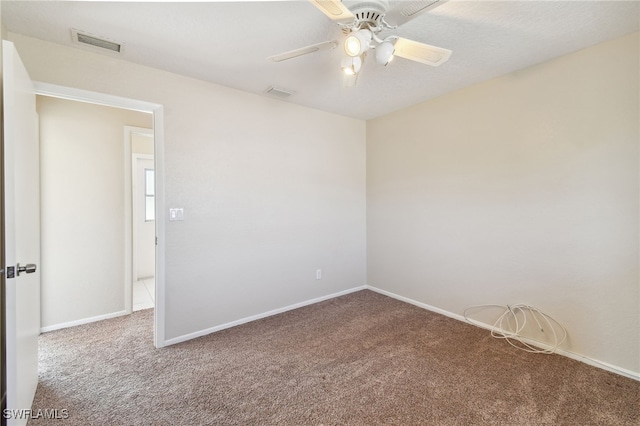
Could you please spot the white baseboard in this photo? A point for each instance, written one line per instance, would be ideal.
(204, 332)
(419, 304)
(578, 357)
(600, 364)
(82, 321)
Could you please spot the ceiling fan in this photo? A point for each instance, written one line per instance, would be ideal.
(362, 24)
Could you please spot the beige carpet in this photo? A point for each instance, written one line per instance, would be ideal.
(361, 359)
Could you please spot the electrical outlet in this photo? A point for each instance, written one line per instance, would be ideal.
(318, 274)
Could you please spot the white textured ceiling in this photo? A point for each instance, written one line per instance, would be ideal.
(228, 43)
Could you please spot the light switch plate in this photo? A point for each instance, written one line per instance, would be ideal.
(176, 214)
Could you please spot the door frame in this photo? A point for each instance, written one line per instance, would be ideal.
(70, 93)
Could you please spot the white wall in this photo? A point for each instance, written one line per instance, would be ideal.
(271, 191)
(522, 189)
(141, 144)
(82, 201)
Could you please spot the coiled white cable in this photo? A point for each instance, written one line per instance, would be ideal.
(504, 329)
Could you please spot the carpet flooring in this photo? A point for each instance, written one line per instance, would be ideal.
(360, 359)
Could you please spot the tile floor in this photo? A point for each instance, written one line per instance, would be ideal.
(144, 292)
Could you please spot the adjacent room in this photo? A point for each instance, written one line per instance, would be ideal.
(323, 212)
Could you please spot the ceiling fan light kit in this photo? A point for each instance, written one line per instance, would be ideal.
(362, 23)
(358, 42)
(384, 53)
(351, 65)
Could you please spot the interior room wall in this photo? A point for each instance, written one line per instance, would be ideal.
(82, 200)
(271, 191)
(141, 144)
(522, 189)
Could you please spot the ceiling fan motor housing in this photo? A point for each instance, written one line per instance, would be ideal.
(368, 12)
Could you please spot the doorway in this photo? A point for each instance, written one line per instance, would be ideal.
(90, 98)
(84, 210)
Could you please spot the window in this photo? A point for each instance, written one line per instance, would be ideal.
(149, 196)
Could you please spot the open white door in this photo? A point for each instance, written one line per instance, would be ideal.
(22, 234)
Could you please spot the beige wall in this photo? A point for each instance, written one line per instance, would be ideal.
(522, 189)
(271, 190)
(142, 144)
(82, 201)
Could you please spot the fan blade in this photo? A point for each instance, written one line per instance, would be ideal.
(405, 11)
(335, 10)
(303, 51)
(420, 52)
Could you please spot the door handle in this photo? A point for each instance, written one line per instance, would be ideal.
(29, 268)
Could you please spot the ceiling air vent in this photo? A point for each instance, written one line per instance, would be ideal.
(95, 41)
(280, 93)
